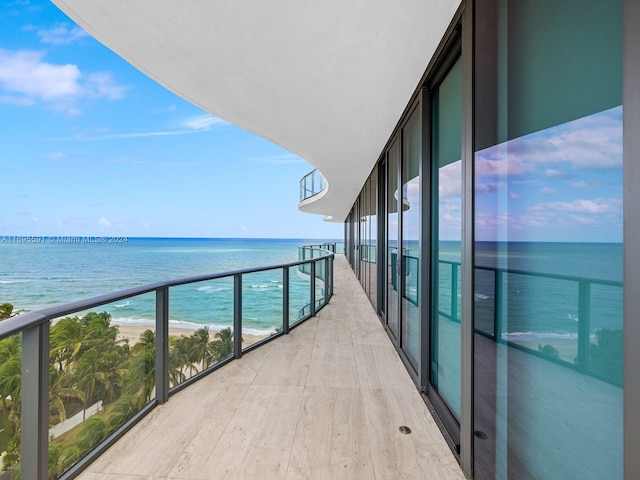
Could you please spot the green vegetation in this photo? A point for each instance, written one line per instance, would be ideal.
(606, 356)
(549, 351)
(89, 366)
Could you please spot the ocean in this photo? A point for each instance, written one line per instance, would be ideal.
(535, 308)
(541, 282)
(38, 272)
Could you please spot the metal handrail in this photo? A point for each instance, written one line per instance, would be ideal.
(35, 326)
(312, 184)
(581, 362)
(26, 320)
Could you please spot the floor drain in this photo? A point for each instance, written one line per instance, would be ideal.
(404, 429)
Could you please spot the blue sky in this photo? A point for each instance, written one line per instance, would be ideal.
(563, 183)
(90, 146)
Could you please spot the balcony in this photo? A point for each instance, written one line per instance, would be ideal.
(312, 184)
(326, 400)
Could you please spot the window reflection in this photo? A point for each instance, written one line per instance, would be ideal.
(548, 301)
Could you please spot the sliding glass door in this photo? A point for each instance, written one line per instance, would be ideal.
(446, 176)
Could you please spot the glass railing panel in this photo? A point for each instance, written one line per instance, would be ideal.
(311, 184)
(101, 373)
(262, 294)
(103, 362)
(320, 283)
(541, 314)
(446, 296)
(605, 332)
(485, 298)
(299, 295)
(200, 327)
(10, 405)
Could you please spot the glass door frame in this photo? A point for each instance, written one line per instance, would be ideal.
(458, 43)
(452, 53)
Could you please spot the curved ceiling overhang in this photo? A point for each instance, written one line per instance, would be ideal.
(325, 80)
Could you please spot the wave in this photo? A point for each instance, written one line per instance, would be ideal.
(186, 325)
(7, 282)
(122, 305)
(573, 317)
(211, 289)
(480, 296)
(259, 286)
(527, 336)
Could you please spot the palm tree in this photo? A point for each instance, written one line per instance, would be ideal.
(183, 353)
(6, 311)
(147, 341)
(87, 369)
(10, 366)
(11, 377)
(112, 372)
(223, 343)
(121, 411)
(200, 347)
(140, 377)
(92, 432)
(66, 342)
(59, 391)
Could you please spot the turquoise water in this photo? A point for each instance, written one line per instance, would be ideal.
(58, 270)
(535, 304)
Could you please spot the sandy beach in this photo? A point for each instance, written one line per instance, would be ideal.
(132, 333)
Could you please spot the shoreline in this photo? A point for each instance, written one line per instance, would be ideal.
(132, 333)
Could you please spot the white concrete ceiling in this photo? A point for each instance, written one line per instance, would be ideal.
(326, 80)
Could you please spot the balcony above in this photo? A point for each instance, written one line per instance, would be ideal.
(324, 80)
(313, 187)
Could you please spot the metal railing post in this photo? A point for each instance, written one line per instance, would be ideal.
(312, 304)
(34, 449)
(454, 292)
(497, 305)
(237, 315)
(326, 281)
(285, 299)
(162, 345)
(584, 321)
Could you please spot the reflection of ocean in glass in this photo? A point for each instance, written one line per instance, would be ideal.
(548, 306)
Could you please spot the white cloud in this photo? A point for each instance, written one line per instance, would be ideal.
(24, 72)
(61, 34)
(593, 142)
(27, 78)
(201, 122)
(580, 184)
(514, 196)
(547, 191)
(553, 173)
(104, 222)
(582, 206)
(450, 180)
(101, 84)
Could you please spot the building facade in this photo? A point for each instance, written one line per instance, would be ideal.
(493, 239)
(494, 228)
